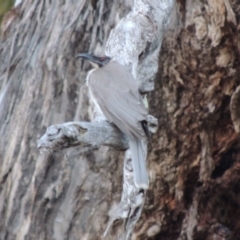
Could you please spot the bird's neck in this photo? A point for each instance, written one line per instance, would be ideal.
(88, 75)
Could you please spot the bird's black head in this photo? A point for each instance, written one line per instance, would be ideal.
(100, 61)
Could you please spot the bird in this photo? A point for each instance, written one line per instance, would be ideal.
(115, 93)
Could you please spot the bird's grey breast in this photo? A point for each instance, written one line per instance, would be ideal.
(89, 81)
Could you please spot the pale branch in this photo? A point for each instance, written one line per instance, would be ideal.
(135, 43)
(72, 134)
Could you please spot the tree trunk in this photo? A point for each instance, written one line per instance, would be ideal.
(195, 157)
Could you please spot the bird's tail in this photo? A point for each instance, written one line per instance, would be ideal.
(139, 162)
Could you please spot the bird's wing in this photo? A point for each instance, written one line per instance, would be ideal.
(118, 97)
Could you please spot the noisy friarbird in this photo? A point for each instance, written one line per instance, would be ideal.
(115, 93)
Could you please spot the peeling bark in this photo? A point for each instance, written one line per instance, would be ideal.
(195, 154)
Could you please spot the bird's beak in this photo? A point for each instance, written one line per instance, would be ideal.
(85, 56)
(93, 60)
(88, 56)
(96, 61)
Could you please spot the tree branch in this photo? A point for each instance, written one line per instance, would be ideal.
(72, 134)
(135, 43)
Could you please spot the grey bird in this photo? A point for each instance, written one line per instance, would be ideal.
(115, 93)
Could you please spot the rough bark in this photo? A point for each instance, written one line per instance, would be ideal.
(65, 195)
(196, 152)
(195, 156)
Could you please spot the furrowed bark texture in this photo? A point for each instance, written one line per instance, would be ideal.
(196, 153)
(194, 163)
(64, 195)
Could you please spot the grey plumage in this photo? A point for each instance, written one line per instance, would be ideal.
(116, 93)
